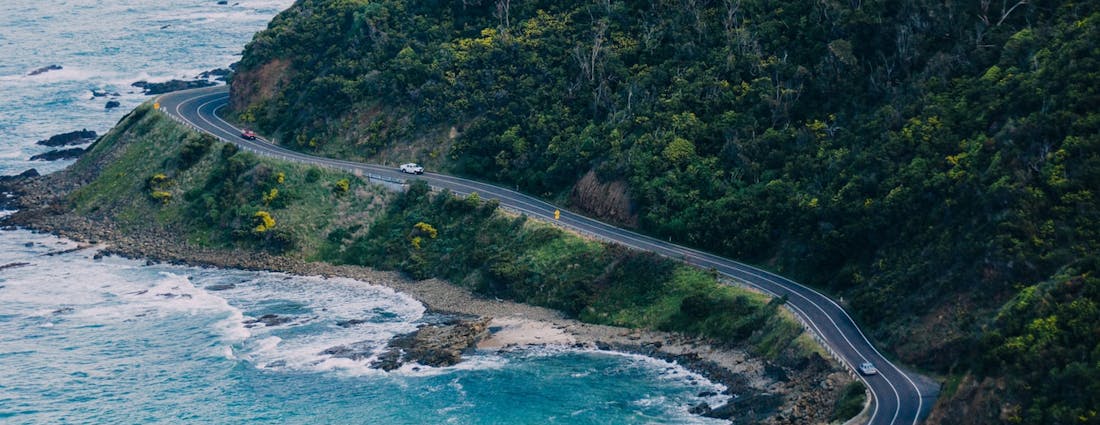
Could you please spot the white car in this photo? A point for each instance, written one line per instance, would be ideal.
(868, 369)
(412, 168)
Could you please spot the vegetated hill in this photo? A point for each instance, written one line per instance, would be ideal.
(153, 176)
(935, 164)
(154, 187)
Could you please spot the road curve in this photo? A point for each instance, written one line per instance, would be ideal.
(900, 397)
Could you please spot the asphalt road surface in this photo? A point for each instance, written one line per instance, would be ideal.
(900, 397)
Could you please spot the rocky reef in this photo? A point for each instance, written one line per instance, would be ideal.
(78, 137)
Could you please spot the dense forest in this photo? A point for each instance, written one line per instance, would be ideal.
(933, 164)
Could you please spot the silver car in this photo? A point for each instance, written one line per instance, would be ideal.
(868, 369)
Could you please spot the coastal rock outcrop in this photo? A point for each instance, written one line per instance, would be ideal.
(11, 190)
(78, 137)
(171, 86)
(54, 155)
(44, 70)
(103, 93)
(220, 74)
(111, 104)
(433, 345)
(24, 175)
(268, 320)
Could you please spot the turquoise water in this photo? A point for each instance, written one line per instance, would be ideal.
(116, 341)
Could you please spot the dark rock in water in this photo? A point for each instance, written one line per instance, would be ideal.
(170, 295)
(54, 155)
(24, 175)
(220, 287)
(220, 74)
(350, 323)
(111, 104)
(223, 2)
(12, 188)
(269, 320)
(707, 394)
(13, 265)
(700, 409)
(64, 251)
(78, 137)
(171, 86)
(64, 310)
(433, 345)
(104, 93)
(29, 244)
(44, 70)
(357, 351)
(724, 411)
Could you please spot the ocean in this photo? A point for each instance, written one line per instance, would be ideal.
(110, 340)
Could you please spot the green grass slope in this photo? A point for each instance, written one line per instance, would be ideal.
(153, 173)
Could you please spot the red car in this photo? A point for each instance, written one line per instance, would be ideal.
(248, 134)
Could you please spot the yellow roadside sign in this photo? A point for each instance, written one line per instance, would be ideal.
(156, 105)
(557, 214)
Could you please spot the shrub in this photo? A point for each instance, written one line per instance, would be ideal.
(156, 186)
(341, 186)
(162, 196)
(270, 196)
(263, 221)
(193, 149)
(312, 175)
(426, 229)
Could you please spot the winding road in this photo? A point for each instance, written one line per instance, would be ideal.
(900, 397)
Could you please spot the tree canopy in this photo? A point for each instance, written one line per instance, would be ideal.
(927, 161)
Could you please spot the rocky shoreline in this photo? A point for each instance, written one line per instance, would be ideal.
(760, 392)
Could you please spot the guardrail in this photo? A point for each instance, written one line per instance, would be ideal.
(371, 177)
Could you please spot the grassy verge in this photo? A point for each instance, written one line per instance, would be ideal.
(152, 172)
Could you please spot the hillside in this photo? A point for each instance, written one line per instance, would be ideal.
(934, 165)
(154, 188)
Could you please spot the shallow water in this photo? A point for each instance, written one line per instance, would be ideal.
(116, 341)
